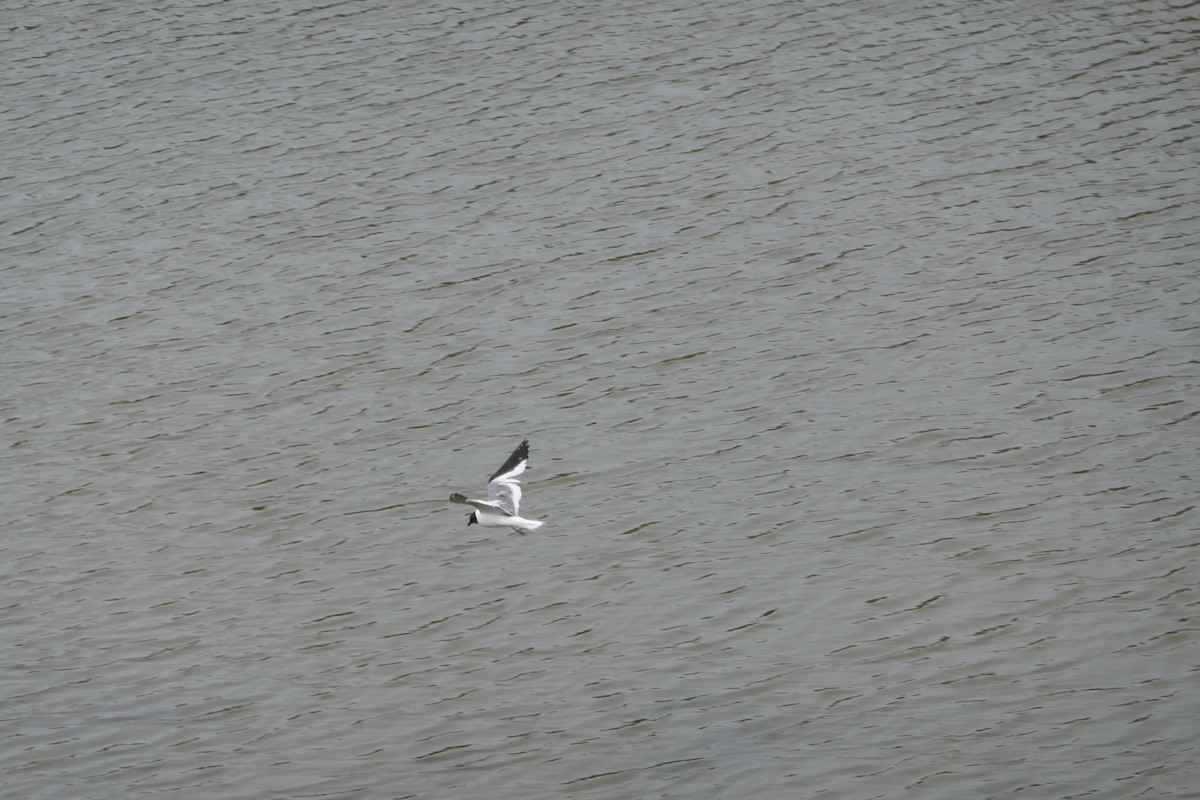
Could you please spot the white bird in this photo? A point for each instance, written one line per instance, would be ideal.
(504, 496)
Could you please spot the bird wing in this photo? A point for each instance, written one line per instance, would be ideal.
(515, 464)
(504, 490)
(482, 505)
(505, 495)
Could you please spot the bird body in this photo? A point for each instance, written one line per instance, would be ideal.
(504, 497)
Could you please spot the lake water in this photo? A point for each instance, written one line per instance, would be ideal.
(856, 344)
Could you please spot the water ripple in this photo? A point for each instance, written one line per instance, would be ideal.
(856, 350)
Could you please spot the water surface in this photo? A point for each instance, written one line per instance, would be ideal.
(856, 345)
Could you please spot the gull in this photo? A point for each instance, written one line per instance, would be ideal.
(504, 496)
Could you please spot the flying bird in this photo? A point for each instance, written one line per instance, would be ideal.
(504, 497)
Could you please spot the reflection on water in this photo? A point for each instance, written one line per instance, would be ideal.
(854, 347)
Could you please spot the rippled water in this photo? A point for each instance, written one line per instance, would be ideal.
(856, 343)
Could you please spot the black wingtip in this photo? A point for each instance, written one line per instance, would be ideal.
(519, 455)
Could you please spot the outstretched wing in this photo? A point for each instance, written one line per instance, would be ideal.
(482, 505)
(504, 490)
(515, 464)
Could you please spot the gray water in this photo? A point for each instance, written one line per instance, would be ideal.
(856, 344)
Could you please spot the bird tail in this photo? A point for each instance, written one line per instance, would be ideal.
(532, 524)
